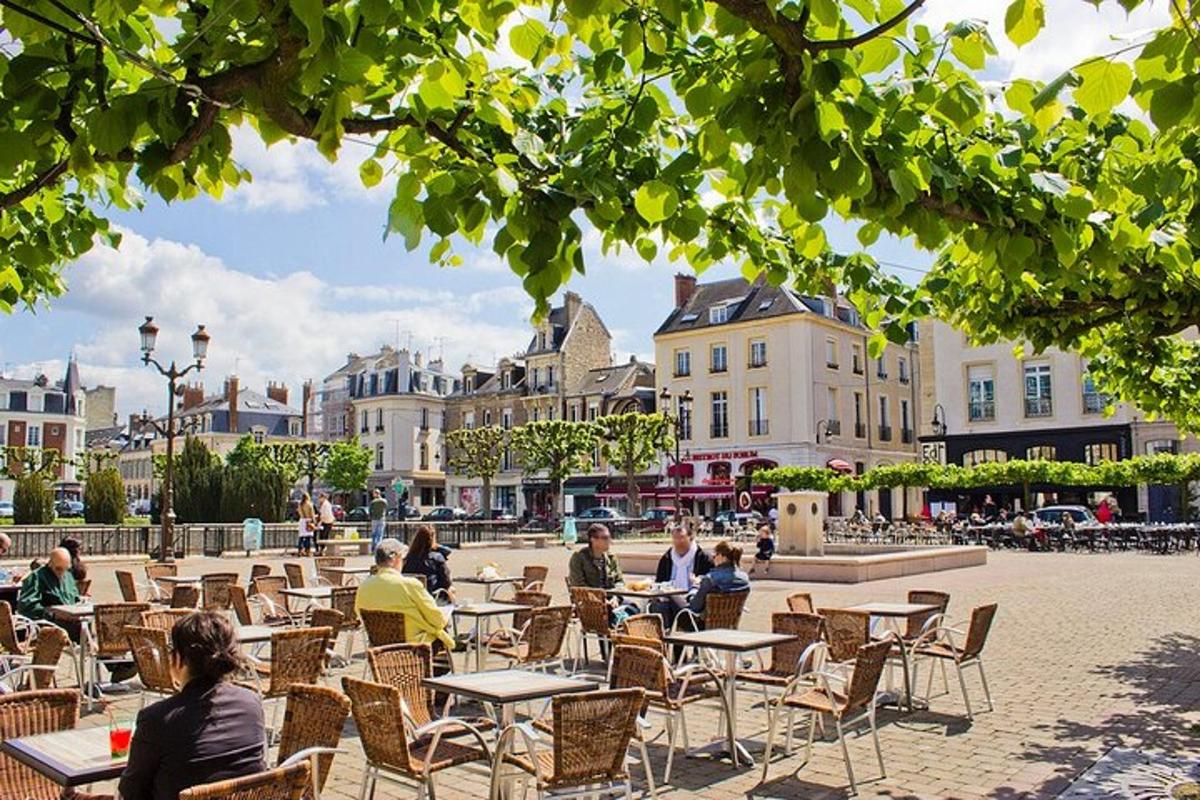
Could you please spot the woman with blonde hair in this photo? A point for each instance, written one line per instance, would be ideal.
(308, 523)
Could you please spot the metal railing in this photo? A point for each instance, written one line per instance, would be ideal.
(1038, 407)
(981, 410)
(885, 433)
(759, 427)
(906, 435)
(860, 430)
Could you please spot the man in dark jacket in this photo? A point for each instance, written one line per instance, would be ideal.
(684, 563)
(49, 585)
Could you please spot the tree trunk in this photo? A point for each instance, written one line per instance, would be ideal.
(631, 491)
(487, 497)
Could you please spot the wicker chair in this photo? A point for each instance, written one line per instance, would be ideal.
(533, 578)
(285, 783)
(343, 598)
(943, 644)
(269, 594)
(156, 571)
(322, 617)
(539, 644)
(641, 630)
(298, 655)
(110, 645)
(523, 597)
(405, 667)
(668, 690)
(399, 751)
(383, 627)
(152, 654)
(919, 623)
(127, 585)
(215, 587)
(855, 694)
(312, 725)
(256, 571)
(591, 612)
(29, 714)
(722, 610)
(845, 632)
(324, 577)
(37, 668)
(163, 618)
(11, 628)
(800, 603)
(185, 596)
(790, 660)
(295, 575)
(240, 605)
(592, 734)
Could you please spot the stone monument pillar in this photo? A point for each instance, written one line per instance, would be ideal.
(801, 523)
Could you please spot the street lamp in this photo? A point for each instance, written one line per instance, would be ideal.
(938, 423)
(148, 332)
(676, 421)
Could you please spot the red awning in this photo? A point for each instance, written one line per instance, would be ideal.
(685, 469)
(838, 465)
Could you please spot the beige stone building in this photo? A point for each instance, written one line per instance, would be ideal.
(488, 397)
(40, 415)
(777, 378)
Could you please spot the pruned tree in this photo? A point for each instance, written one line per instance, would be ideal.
(477, 453)
(556, 447)
(300, 459)
(347, 467)
(632, 443)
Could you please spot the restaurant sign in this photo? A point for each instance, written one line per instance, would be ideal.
(725, 455)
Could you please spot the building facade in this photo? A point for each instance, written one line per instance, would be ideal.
(489, 397)
(992, 405)
(40, 415)
(780, 379)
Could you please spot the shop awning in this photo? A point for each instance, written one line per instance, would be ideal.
(685, 469)
(583, 486)
(838, 465)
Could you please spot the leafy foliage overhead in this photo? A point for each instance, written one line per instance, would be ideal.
(727, 130)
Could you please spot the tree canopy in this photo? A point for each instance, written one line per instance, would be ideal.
(731, 130)
(631, 443)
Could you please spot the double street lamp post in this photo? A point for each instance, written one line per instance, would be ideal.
(677, 422)
(149, 333)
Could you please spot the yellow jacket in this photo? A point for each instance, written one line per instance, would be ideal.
(388, 590)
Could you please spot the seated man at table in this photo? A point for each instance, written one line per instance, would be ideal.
(595, 567)
(725, 577)
(682, 566)
(49, 585)
(390, 590)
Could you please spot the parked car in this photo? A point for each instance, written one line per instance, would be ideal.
(497, 514)
(599, 513)
(731, 517)
(444, 514)
(660, 513)
(1052, 515)
(358, 514)
(68, 508)
(6, 509)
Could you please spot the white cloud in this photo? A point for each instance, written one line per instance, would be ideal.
(291, 327)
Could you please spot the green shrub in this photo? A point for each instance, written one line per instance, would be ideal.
(104, 497)
(33, 502)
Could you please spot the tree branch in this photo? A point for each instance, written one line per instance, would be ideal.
(787, 35)
(866, 36)
(43, 179)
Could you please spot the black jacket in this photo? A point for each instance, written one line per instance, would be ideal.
(208, 732)
(433, 567)
(700, 566)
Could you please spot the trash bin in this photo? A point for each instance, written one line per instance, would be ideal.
(252, 534)
(569, 534)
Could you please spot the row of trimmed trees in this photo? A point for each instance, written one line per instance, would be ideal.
(630, 443)
(33, 471)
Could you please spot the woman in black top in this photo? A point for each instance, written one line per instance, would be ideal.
(75, 547)
(424, 557)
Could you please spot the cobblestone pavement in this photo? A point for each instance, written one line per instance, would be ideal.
(1088, 652)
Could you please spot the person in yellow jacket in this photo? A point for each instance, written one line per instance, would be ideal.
(389, 590)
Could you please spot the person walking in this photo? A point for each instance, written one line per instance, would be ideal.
(378, 511)
(308, 524)
(326, 518)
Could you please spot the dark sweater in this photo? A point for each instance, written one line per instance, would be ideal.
(700, 566)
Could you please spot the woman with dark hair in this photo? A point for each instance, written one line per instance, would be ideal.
(75, 547)
(426, 558)
(726, 576)
(211, 731)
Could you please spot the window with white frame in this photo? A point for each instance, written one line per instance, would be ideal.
(718, 358)
(1038, 398)
(720, 415)
(981, 393)
(683, 363)
(33, 436)
(718, 314)
(758, 353)
(758, 411)
(831, 353)
(379, 456)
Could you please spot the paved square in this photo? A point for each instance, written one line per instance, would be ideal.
(1089, 652)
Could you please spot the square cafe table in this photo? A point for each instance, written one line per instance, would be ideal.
(348, 572)
(507, 687)
(733, 643)
(255, 634)
(311, 595)
(491, 584)
(479, 611)
(898, 611)
(646, 596)
(69, 758)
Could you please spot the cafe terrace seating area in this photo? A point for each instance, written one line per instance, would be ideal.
(545, 696)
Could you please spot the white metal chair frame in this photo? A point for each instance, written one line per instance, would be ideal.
(950, 636)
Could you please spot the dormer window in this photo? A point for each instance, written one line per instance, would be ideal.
(718, 314)
(469, 384)
(541, 340)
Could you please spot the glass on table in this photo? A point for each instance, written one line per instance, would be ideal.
(120, 732)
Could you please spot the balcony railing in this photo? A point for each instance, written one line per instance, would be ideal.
(755, 363)
(831, 364)
(758, 427)
(682, 373)
(885, 433)
(719, 430)
(860, 430)
(904, 378)
(379, 429)
(1094, 403)
(906, 435)
(1038, 407)
(981, 410)
(856, 368)
(718, 368)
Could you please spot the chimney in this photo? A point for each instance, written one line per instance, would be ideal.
(193, 395)
(278, 392)
(306, 398)
(417, 358)
(231, 395)
(685, 287)
(572, 302)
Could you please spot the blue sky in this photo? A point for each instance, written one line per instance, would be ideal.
(290, 272)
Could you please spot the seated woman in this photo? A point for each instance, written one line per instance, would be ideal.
(725, 577)
(426, 558)
(211, 731)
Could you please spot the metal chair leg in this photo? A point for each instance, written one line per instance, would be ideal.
(772, 721)
(846, 755)
(649, 769)
(962, 684)
(987, 694)
(672, 724)
(878, 749)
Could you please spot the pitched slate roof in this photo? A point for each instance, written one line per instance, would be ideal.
(747, 302)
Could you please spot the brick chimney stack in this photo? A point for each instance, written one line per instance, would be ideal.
(685, 287)
(231, 395)
(278, 392)
(193, 395)
(306, 393)
(572, 302)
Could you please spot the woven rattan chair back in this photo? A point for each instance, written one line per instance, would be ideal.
(322, 617)
(546, 632)
(591, 735)
(323, 563)
(285, 783)
(420, 577)
(523, 597)
(638, 667)
(380, 721)
(643, 626)
(297, 656)
(534, 574)
(156, 571)
(215, 587)
(313, 717)
(383, 627)
(29, 714)
(924, 597)
(342, 598)
(152, 655)
(163, 618)
(868, 666)
(270, 588)
(404, 667)
(591, 607)
(241, 606)
(845, 631)
(47, 650)
(256, 571)
(8, 631)
(127, 586)
(185, 596)
(110, 623)
(724, 610)
(295, 575)
(977, 633)
(807, 630)
(637, 641)
(800, 603)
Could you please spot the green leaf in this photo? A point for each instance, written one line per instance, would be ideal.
(647, 249)
(1103, 85)
(877, 55)
(1171, 104)
(526, 39)
(1024, 20)
(655, 201)
(370, 173)
(311, 14)
(14, 148)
